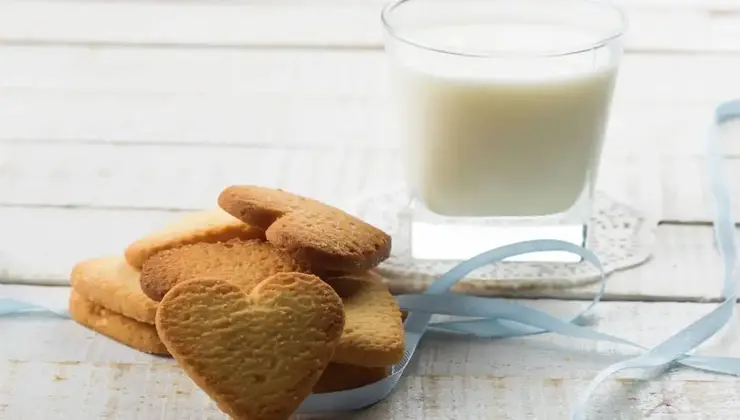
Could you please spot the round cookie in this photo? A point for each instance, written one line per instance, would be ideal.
(331, 239)
(201, 226)
(245, 262)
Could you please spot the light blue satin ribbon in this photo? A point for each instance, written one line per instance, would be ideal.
(499, 318)
(10, 306)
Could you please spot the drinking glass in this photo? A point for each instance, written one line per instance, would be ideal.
(502, 107)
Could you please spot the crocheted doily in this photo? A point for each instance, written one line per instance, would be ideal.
(619, 234)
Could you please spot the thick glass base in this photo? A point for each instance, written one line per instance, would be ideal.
(434, 237)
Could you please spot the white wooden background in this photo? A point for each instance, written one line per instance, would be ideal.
(116, 115)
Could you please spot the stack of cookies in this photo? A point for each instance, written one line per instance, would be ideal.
(262, 301)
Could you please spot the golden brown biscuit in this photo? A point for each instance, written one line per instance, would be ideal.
(331, 238)
(244, 262)
(202, 226)
(340, 377)
(137, 335)
(112, 283)
(257, 355)
(373, 330)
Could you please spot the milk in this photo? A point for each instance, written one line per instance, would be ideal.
(505, 135)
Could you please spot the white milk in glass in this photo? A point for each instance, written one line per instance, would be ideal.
(502, 135)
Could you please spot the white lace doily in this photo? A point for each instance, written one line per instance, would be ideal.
(619, 234)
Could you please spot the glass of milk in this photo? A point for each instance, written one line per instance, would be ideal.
(503, 106)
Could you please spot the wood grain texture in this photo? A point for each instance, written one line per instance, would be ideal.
(301, 99)
(182, 178)
(103, 197)
(684, 265)
(115, 114)
(143, 176)
(105, 131)
(676, 126)
(345, 74)
(142, 392)
(318, 24)
(70, 367)
(690, 200)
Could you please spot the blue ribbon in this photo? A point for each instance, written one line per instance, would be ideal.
(500, 318)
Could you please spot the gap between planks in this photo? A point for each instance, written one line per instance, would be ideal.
(258, 99)
(309, 23)
(656, 322)
(153, 177)
(321, 75)
(43, 286)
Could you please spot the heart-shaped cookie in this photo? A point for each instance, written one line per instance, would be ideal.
(330, 238)
(258, 355)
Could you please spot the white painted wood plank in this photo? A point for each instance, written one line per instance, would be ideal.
(292, 98)
(34, 242)
(182, 178)
(701, 5)
(685, 180)
(675, 128)
(690, 199)
(709, 5)
(514, 398)
(684, 266)
(168, 394)
(254, 24)
(47, 242)
(192, 70)
(81, 374)
(249, 119)
(318, 74)
(310, 24)
(150, 177)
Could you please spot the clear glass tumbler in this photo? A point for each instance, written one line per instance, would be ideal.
(502, 106)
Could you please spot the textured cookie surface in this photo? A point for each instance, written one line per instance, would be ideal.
(373, 330)
(202, 226)
(257, 355)
(244, 262)
(331, 238)
(341, 377)
(137, 335)
(113, 284)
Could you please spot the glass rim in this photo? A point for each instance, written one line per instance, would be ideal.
(600, 42)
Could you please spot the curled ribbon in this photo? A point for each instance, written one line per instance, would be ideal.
(500, 318)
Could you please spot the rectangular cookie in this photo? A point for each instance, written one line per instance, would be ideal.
(373, 331)
(112, 283)
(341, 377)
(137, 335)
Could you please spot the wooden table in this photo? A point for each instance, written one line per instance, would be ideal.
(115, 116)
